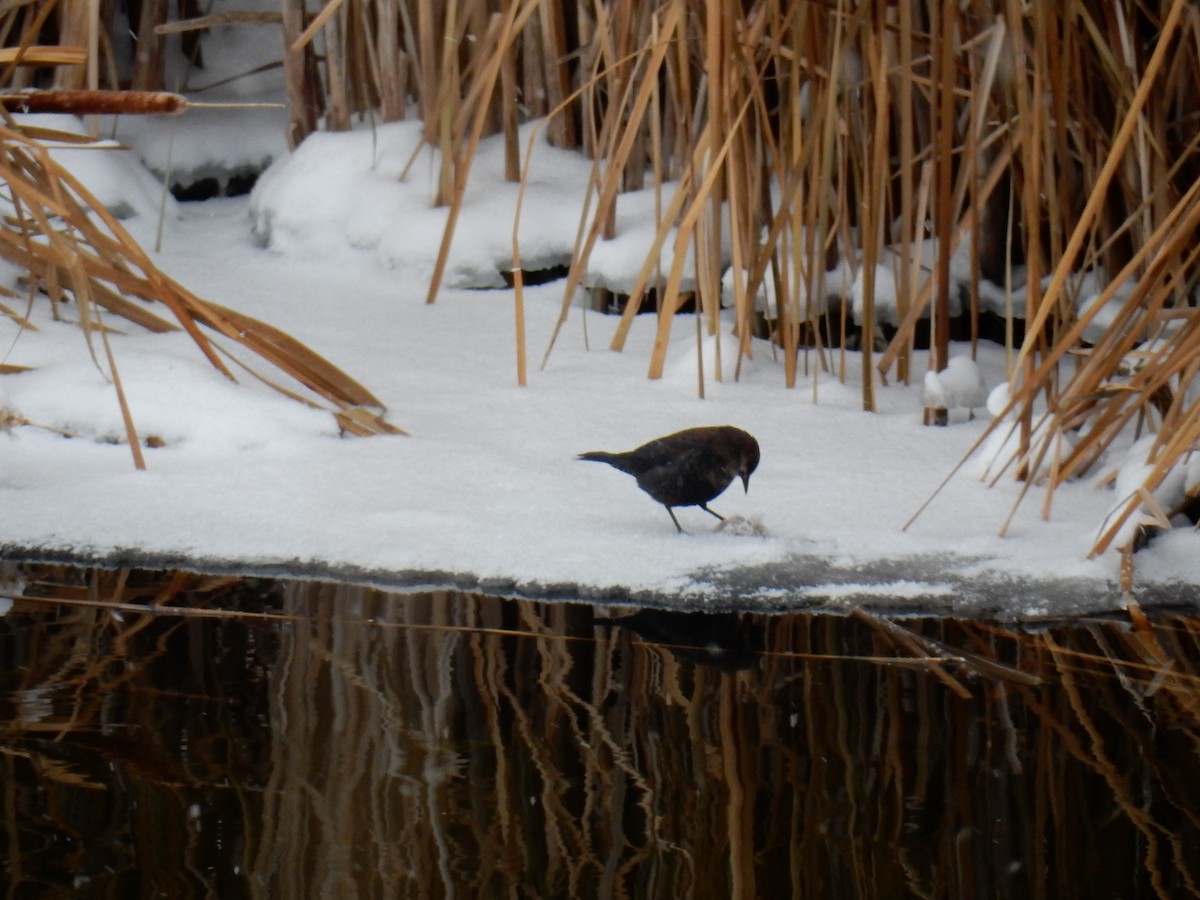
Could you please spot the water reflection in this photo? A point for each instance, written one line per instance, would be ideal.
(725, 640)
(182, 736)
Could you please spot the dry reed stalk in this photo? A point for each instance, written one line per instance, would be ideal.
(1031, 117)
(608, 187)
(131, 436)
(94, 102)
(502, 31)
(337, 65)
(1106, 174)
(555, 74)
(69, 243)
(509, 119)
(445, 107)
(687, 229)
(425, 57)
(298, 67)
(944, 38)
(909, 224)
(318, 22)
(758, 149)
(149, 67)
(392, 59)
(875, 190)
(517, 269)
(43, 55)
(743, 234)
(910, 643)
(708, 248)
(23, 27)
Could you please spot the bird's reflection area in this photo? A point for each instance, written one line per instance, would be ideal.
(183, 736)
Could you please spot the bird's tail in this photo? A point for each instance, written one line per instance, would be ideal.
(628, 462)
(617, 460)
(625, 462)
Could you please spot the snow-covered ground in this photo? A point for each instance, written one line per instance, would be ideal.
(336, 248)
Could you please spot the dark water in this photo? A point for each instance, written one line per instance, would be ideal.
(181, 736)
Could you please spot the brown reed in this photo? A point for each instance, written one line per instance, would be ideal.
(74, 249)
(784, 139)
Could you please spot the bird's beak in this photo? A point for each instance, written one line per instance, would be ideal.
(746, 481)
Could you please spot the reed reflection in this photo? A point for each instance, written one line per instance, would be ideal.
(316, 740)
(728, 641)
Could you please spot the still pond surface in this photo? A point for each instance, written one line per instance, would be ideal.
(176, 735)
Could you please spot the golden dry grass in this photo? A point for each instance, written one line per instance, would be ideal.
(1041, 140)
(80, 258)
(1046, 139)
(77, 253)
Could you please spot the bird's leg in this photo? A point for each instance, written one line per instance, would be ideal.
(671, 513)
(704, 506)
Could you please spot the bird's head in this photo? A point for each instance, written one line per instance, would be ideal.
(749, 462)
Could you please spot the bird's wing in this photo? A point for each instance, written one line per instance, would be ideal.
(677, 474)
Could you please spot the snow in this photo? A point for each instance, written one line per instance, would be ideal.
(809, 289)
(1131, 473)
(117, 179)
(922, 256)
(933, 393)
(1002, 445)
(335, 247)
(960, 385)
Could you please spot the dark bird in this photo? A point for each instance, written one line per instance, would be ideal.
(689, 467)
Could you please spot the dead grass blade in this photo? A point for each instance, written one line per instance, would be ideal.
(74, 248)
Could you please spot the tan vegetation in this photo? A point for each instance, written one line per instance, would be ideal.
(1051, 140)
(79, 257)
(799, 144)
(342, 740)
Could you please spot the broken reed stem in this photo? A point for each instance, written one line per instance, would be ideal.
(911, 643)
(43, 56)
(131, 435)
